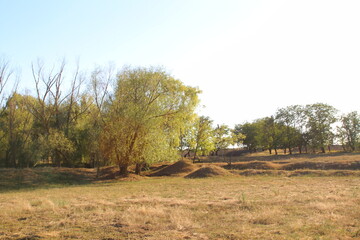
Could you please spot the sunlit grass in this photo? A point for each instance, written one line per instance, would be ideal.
(255, 207)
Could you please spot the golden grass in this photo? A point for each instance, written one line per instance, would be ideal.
(232, 207)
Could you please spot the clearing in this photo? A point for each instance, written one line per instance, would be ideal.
(270, 203)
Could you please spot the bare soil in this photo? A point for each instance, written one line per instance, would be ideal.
(179, 168)
(209, 171)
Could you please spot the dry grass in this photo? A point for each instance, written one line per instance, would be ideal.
(208, 171)
(286, 158)
(296, 197)
(179, 168)
(177, 208)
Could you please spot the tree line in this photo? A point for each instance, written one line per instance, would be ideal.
(138, 116)
(135, 116)
(306, 128)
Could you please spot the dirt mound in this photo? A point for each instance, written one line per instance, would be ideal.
(253, 165)
(107, 173)
(179, 168)
(209, 171)
(323, 165)
(255, 172)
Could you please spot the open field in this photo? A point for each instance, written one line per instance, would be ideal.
(260, 206)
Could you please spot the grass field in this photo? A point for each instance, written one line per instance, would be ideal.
(227, 207)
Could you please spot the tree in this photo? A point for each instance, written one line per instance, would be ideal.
(349, 131)
(187, 139)
(320, 118)
(17, 125)
(237, 136)
(272, 134)
(292, 118)
(5, 75)
(203, 134)
(222, 137)
(102, 80)
(250, 131)
(145, 117)
(57, 111)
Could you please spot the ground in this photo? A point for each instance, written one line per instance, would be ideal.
(276, 204)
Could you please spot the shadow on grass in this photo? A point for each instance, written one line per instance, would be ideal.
(35, 178)
(270, 158)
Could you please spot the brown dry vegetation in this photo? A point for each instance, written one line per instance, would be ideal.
(179, 168)
(249, 204)
(179, 208)
(208, 171)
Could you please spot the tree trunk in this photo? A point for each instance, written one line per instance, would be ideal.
(195, 153)
(300, 149)
(343, 146)
(290, 150)
(322, 149)
(97, 171)
(138, 168)
(270, 151)
(276, 152)
(352, 147)
(306, 150)
(123, 169)
(284, 150)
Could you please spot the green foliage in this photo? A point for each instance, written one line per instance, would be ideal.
(251, 133)
(141, 116)
(293, 119)
(202, 138)
(146, 116)
(223, 137)
(349, 131)
(17, 133)
(320, 118)
(293, 126)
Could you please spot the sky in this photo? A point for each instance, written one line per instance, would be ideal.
(249, 57)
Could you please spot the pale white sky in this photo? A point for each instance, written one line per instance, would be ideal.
(284, 53)
(248, 57)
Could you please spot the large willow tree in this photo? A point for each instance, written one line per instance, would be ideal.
(145, 117)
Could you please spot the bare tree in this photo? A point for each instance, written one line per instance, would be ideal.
(56, 109)
(5, 75)
(101, 81)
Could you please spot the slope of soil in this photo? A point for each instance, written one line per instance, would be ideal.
(323, 165)
(179, 168)
(253, 165)
(209, 171)
(296, 173)
(295, 165)
(34, 177)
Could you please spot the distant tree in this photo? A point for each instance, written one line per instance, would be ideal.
(237, 137)
(222, 137)
(187, 141)
(349, 131)
(252, 137)
(272, 134)
(203, 133)
(292, 118)
(320, 118)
